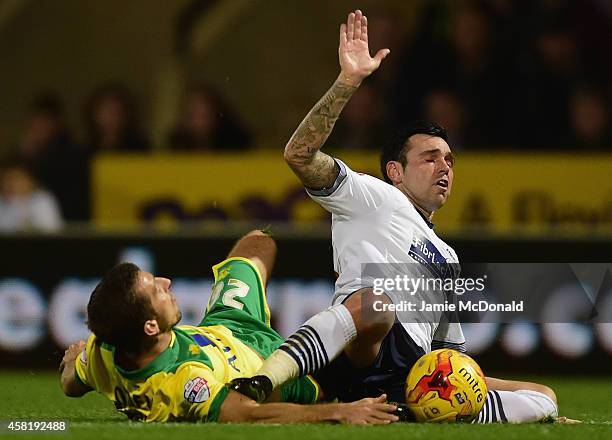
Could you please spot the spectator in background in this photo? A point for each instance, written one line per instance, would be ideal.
(56, 162)
(445, 107)
(419, 69)
(207, 123)
(44, 128)
(362, 123)
(24, 206)
(590, 119)
(112, 121)
(479, 75)
(553, 72)
(455, 50)
(386, 29)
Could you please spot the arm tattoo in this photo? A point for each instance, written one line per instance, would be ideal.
(314, 168)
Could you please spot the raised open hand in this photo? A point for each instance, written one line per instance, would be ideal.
(354, 53)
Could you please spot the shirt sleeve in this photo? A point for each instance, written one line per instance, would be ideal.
(84, 364)
(352, 193)
(191, 394)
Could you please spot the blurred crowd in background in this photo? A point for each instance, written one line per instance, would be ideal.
(498, 74)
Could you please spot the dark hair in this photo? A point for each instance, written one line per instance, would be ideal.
(116, 311)
(397, 147)
(132, 138)
(47, 103)
(229, 131)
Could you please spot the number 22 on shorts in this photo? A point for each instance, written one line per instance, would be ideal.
(236, 288)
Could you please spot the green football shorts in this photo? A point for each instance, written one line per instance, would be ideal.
(238, 302)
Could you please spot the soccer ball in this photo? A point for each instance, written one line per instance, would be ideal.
(445, 386)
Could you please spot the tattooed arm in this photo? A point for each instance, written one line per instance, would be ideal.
(316, 169)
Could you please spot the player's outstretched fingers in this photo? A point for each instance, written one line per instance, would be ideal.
(373, 400)
(343, 34)
(385, 413)
(381, 55)
(358, 17)
(364, 29)
(382, 413)
(387, 408)
(350, 26)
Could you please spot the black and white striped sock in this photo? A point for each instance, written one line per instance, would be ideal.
(492, 411)
(520, 406)
(315, 344)
(307, 350)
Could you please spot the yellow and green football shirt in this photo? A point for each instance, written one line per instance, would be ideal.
(186, 382)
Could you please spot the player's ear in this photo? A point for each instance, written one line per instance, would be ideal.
(151, 327)
(395, 171)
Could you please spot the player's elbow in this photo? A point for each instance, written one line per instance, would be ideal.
(68, 390)
(71, 388)
(296, 159)
(73, 394)
(289, 156)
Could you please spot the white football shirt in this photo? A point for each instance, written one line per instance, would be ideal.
(374, 222)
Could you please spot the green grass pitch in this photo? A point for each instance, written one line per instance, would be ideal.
(36, 396)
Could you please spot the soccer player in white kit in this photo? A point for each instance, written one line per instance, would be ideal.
(382, 223)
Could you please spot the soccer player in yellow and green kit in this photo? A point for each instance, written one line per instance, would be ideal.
(154, 370)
